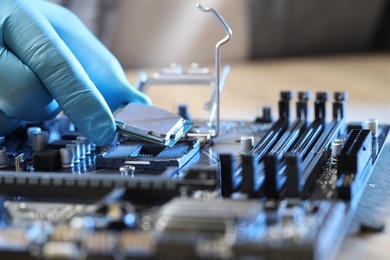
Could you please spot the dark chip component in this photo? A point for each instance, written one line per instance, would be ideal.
(46, 159)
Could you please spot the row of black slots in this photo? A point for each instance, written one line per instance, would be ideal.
(287, 160)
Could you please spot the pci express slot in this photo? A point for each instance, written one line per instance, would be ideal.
(277, 129)
(308, 139)
(251, 166)
(302, 170)
(320, 153)
(250, 174)
(274, 165)
(304, 162)
(354, 157)
(298, 153)
(271, 137)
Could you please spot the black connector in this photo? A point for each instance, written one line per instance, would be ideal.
(295, 157)
(302, 111)
(353, 160)
(320, 106)
(339, 105)
(266, 117)
(356, 151)
(227, 168)
(303, 164)
(284, 104)
(46, 159)
(252, 180)
(274, 166)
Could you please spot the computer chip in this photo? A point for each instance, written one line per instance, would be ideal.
(151, 124)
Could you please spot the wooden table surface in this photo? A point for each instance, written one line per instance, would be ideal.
(366, 77)
(253, 84)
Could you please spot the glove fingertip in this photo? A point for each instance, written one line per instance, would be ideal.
(143, 99)
(102, 135)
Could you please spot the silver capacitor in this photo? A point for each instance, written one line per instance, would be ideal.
(373, 125)
(336, 147)
(30, 132)
(66, 155)
(39, 140)
(82, 148)
(75, 152)
(87, 144)
(247, 143)
(3, 158)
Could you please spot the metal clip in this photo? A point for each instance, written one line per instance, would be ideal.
(217, 57)
(196, 75)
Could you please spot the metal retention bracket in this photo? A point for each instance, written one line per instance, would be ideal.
(215, 113)
(196, 75)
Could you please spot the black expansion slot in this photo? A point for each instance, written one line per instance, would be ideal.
(353, 158)
(302, 169)
(251, 173)
(274, 166)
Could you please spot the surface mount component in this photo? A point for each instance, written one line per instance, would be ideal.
(151, 124)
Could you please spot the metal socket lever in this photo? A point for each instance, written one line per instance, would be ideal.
(215, 113)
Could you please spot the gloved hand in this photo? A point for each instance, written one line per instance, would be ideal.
(49, 62)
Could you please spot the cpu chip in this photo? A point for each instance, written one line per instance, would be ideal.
(151, 124)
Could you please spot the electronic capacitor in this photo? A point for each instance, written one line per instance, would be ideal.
(30, 132)
(3, 158)
(247, 143)
(66, 155)
(39, 140)
(75, 152)
(373, 125)
(336, 147)
(82, 148)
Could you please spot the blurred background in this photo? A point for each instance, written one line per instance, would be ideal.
(312, 45)
(144, 33)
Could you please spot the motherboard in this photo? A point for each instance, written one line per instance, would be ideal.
(263, 189)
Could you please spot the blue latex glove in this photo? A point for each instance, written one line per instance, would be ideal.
(49, 62)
